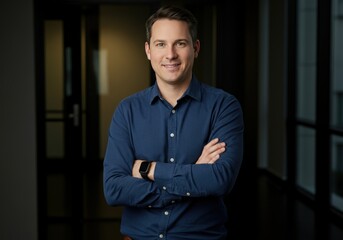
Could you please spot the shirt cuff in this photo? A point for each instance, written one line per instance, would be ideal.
(163, 175)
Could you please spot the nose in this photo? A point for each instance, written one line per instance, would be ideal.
(171, 52)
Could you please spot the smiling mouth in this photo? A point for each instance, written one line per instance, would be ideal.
(171, 66)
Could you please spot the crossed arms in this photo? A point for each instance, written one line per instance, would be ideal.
(210, 154)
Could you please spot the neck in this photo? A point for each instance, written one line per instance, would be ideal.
(171, 93)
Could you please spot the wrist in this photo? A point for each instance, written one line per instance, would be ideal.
(144, 169)
(151, 173)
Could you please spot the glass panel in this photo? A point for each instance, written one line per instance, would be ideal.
(53, 40)
(54, 64)
(58, 196)
(337, 172)
(306, 159)
(54, 115)
(55, 140)
(337, 63)
(306, 60)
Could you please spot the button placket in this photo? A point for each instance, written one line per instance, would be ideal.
(172, 130)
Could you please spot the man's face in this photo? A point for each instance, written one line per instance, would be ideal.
(171, 51)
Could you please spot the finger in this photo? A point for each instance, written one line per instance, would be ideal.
(216, 154)
(214, 141)
(211, 143)
(216, 147)
(214, 159)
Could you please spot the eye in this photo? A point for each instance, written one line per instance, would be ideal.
(160, 44)
(181, 44)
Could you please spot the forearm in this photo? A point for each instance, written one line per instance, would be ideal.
(202, 180)
(197, 180)
(210, 154)
(129, 191)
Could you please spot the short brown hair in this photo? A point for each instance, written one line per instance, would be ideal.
(173, 13)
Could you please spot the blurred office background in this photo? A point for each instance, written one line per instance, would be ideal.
(65, 65)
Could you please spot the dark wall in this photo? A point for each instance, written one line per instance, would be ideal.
(237, 70)
(18, 202)
(237, 73)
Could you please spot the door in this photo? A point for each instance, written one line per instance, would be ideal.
(87, 70)
(62, 168)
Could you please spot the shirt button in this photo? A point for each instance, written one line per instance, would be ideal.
(172, 159)
(164, 188)
(188, 194)
(166, 213)
(173, 201)
(172, 135)
(161, 235)
(149, 206)
(173, 111)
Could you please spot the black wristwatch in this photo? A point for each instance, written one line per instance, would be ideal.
(144, 170)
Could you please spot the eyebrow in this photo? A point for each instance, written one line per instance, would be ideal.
(177, 40)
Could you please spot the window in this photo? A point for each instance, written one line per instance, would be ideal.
(306, 159)
(306, 65)
(336, 98)
(306, 59)
(337, 173)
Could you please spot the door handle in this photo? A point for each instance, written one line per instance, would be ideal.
(75, 115)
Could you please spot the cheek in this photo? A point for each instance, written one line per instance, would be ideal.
(153, 57)
(154, 62)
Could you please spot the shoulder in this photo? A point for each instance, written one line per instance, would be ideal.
(214, 94)
(135, 102)
(140, 97)
(224, 105)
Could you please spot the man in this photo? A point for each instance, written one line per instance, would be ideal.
(174, 149)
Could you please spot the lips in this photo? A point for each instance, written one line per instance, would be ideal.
(171, 66)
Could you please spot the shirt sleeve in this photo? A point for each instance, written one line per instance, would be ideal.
(202, 180)
(120, 188)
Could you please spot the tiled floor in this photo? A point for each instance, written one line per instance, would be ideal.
(260, 209)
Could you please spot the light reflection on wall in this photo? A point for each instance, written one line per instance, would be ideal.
(124, 68)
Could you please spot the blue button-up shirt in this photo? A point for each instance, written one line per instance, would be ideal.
(185, 201)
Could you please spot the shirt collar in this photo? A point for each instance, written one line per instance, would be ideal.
(193, 91)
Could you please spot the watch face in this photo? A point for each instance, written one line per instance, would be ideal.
(144, 167)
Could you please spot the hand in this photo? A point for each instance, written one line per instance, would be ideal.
(211, 152)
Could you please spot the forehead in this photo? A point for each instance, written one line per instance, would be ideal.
(165, 29)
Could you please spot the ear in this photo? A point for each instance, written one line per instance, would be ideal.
(196, 48)
(147, 50)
